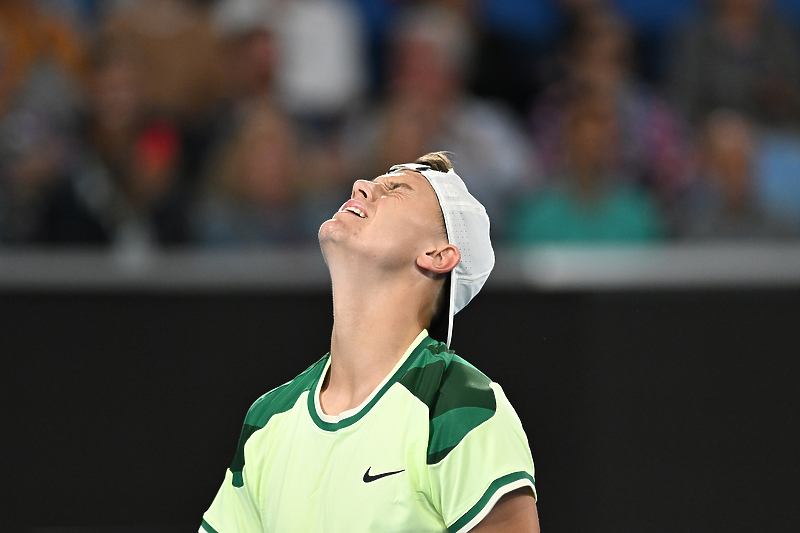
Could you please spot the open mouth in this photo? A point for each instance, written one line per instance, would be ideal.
(355, 211)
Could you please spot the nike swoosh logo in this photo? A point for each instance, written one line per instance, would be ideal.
(369, 479)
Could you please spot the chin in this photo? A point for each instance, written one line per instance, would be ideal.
(330, 230)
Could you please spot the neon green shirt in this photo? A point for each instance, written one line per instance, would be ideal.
(431, 450)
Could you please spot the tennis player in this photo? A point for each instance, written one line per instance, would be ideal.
(390, 431)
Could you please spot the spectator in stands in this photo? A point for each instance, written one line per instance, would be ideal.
(247, 30)
(323, 59)
(41, 63)
(252, 192)
(177, 48)
(126, 188)
(589, 201)
(428, 108)
(253, 34)
(34, 153)
(248, 42)
(178, 52)
(33, 39)
(653, 146)
(742, 57)
(724, 202)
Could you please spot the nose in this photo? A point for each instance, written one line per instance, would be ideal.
(364, 189)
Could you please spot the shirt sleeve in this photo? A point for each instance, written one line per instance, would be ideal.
(233, 510)
(491, 460)
(236, 508)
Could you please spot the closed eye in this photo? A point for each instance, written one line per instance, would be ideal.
(392, 185)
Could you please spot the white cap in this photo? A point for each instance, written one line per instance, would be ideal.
(467, 227)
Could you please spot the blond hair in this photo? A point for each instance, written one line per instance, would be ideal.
(439, 161)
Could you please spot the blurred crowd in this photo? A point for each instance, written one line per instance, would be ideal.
(241, 123)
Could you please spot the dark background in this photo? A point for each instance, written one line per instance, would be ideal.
(646, 411)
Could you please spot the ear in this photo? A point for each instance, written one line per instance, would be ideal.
(440, 260)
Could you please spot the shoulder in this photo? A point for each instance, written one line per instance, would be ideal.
(440, 378)
(281, 399)
(458, 396)
(278, 400)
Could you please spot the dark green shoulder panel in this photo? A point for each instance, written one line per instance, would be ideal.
(457, 394)
(276, 401)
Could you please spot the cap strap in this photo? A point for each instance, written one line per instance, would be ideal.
(452, 307)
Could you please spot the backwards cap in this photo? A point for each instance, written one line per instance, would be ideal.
(467, 227)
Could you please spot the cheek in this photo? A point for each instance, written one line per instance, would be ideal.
(412, 235)
(397, 240)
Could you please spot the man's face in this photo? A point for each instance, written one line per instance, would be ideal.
(390, 220)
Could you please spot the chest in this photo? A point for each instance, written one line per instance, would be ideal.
(370, 474)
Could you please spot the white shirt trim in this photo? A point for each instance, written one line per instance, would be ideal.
(502, 491)
(354, 411)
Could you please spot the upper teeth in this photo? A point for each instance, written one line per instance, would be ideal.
(355, 210)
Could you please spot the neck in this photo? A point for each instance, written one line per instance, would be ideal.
(376, 317)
